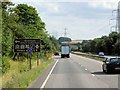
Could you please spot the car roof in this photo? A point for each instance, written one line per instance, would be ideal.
(110, 57)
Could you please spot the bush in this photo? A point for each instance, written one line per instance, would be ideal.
(48, 55)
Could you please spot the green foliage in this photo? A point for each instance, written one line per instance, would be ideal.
(27, 14)
(5, 65)
(23, 21)
(22, 80)
(117, 47)
(85, 47)
(74, 47)
(55, 43)
(110, 45)
(23, 67)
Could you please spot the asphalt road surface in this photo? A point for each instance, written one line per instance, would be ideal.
(79, 72)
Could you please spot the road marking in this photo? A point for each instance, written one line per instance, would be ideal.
(85, 69)
(44, 83)
(93, 75)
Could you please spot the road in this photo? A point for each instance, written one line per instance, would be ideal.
(80, 72)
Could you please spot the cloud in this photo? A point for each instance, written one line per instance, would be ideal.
(104, 4)
(48, 7)
(77, 28)
(83, 19)
(52, 7)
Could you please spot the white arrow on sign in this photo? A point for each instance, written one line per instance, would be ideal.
(37, 46)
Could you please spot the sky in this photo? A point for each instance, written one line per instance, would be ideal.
(83, 19)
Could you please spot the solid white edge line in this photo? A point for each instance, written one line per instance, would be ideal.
(44, 83)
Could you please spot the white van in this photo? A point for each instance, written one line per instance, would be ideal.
(65, 51)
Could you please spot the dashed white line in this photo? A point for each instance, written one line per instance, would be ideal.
(44, 83)
(85, 69)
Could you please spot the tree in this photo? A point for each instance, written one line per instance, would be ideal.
(110, 45)
(23, 21)
(117, 47)
(86, 46)
(54, 42)
(6, 32)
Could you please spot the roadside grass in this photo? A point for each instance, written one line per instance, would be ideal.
(0, 61)
(96, 58)
(19, 75)
(91, 57)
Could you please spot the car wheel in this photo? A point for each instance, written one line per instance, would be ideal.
(68, 56)
(108, 70)
(62, 56)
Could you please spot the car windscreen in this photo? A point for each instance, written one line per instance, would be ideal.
(115, 60)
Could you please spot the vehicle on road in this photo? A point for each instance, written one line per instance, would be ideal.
(56, 53)
(111, 64)
(101, 54)
(65, 51)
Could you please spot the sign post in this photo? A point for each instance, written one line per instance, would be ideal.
(27, 45)
(30, 56)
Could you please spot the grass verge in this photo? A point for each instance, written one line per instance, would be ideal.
(15, 78)
(91, 57)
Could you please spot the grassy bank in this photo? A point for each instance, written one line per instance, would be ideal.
(92, 57)
(19, 75)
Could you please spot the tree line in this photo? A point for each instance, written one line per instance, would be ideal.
(23, 22)
(110, 44)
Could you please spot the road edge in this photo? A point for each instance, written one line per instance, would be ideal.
(44, 83)
(37, 83)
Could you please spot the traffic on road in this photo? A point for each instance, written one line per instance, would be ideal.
(77, 72)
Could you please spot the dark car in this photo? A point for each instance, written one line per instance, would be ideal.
(111, 64)
(56, 53)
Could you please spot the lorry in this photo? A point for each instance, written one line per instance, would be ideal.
(65, 51)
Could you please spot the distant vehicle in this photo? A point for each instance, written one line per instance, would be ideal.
(65, 51)
(101, 54)
(111, 64)
(56, 53)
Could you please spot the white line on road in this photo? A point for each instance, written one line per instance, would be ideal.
(85, 69)
(44, 83)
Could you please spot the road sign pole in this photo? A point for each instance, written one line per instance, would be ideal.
(30, 61)
(18, 56)
(37, 60)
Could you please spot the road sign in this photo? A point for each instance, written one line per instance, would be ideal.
(27, 45)
(30, 50)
